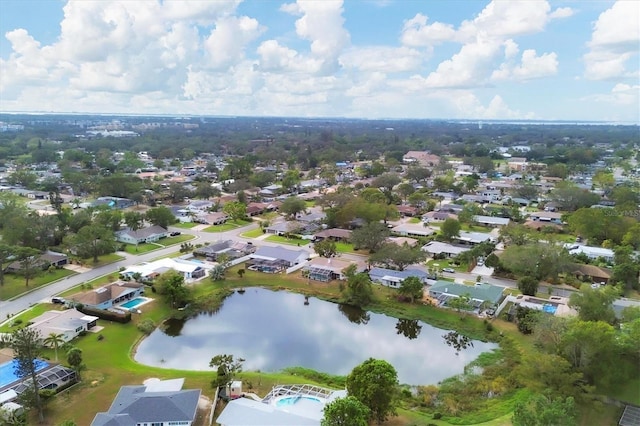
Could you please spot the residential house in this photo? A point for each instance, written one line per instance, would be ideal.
(44, 260)
(214, 218)
(148, 271)
(439, 216)
(109, 295)
(437, 248)
(308, 409)
(518, 164)
(156, 403)
(199, 206)
(443, 291)
(412, 229)
(473, 238)
(254, 209)
(326, 269)
(490, 195)
(423, 158)
(491, 221)
(282, 228)
(334, 234)
(68, 323)
(278, 257)
(591, 273)
(591, 252)
(392, 278)
(407, 210)
(548, 216)
(141, 236)
(231, 249)
(400, 241)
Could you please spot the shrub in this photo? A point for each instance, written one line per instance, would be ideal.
(437, 416)
(100, 337)
(146, 326)
(16, 322)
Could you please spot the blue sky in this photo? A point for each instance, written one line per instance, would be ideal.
(507, 59)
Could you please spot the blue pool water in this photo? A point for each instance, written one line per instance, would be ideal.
(133, 303)
(549, 308)
(8, 371)
(291, 400)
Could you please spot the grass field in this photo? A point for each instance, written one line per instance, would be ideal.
(285, 240)
(171, 241)
(105, 259)
(254, 233)
(14, 285)
(27, 316)
(140, 248)
(228, 226)
(342, 247)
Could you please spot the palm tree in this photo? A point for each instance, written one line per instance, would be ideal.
(55, 341)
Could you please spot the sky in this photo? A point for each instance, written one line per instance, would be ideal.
(434, 59)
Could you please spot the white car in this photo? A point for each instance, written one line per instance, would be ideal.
(450, 270)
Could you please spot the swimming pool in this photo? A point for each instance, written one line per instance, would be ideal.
(292, 400)
(549, 308)
(133, 303)
(8, 371)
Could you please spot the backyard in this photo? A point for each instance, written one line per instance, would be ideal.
(293, 241)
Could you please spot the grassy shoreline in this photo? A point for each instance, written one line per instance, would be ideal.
(107, 370)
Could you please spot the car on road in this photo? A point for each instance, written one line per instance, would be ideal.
(174, 233)
(450, 270)
(58, 300)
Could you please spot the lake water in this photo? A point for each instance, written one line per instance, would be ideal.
(273, 330)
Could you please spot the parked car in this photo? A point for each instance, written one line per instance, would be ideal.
(175, 233)
(58, 300)
(450, 270)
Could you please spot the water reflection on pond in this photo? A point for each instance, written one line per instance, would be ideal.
(274, 330)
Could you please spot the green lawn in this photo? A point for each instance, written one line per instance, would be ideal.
(14, 285)
(310, 203)
(185, 225)
(342, 247)
(285, 240)
(415, 220)
(254, 233)
(227, 226)
(447, 263)
(474, 228)
(171, 241)
(140, 248)
(105, 259)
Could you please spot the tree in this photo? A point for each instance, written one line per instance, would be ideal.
(217, 273)
(594, 304)
(537, 260)
(171, 284)
(371, 236)
(133, 220)
(236, 210)
(92, 241)
(411, 288)
(417, 173)
(450, 228)
(291, 206)
(397, 256)
(374, 383)
(515, 234)
(290, 180)
(54, 340)
(359, 291)
(27, 347)
(570, 197)
(325, 248)
(386, 182)
(6, 252)
(161, 216)
(527, 319)
(109, 218)
(541, 410)
(30, 262)
(348, 411)
(227, 368)
(528, 285)
(74, 359)
(406, 189)
(460, 304)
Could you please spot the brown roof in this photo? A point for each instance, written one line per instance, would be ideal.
(102, 294)
(591, 271)
(334, 233)
(536, 224)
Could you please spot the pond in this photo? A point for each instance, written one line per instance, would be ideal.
(273, 330)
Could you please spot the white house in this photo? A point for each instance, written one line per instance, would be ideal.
(69, 323)
(591, 252)
(190, 270)
(280, 256)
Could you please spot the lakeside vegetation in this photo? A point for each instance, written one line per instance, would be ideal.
(108, 370)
